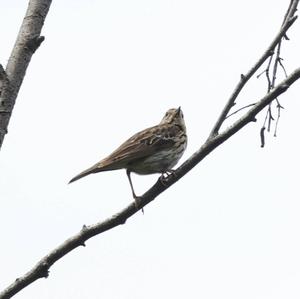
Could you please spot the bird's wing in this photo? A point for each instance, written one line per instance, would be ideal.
(140, 145)
(143, 144)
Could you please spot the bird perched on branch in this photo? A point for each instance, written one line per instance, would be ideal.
(153, 150)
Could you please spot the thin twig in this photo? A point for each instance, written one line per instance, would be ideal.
(268, 73)
(270, 118)
(271, 83)
(282, 66)
(238, 110)
(290, 11)
(275, 66)
(279, 107)
(244, 78)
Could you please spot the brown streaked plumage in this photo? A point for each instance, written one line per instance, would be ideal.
(153, 150)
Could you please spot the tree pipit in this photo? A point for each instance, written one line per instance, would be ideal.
(153, 150)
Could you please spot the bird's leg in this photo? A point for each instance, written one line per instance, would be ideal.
(137, 199)
(165, 175)
(131, 186)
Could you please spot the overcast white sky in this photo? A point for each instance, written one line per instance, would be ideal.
(107, 69)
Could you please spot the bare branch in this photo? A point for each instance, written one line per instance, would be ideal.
(244, 78)
(27, 42)
(41, 269)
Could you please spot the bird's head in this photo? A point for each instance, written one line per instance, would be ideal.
(174, 116)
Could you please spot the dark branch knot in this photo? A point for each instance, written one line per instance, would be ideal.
(43, 269)
(34, 43)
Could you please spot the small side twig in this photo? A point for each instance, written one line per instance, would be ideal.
(240, 109)
(282, 66)
(279, 107)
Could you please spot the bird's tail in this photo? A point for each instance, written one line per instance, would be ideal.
(86, 172)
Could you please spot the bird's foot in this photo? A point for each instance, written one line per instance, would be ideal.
(137, 203)
(166, 175)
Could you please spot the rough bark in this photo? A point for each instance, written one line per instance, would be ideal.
(28, 41)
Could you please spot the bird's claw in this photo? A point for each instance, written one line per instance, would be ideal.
(137, 203)
(166, 175)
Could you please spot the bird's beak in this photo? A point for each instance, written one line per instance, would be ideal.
(178, 110)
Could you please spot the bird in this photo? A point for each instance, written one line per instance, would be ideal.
(154, 150)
